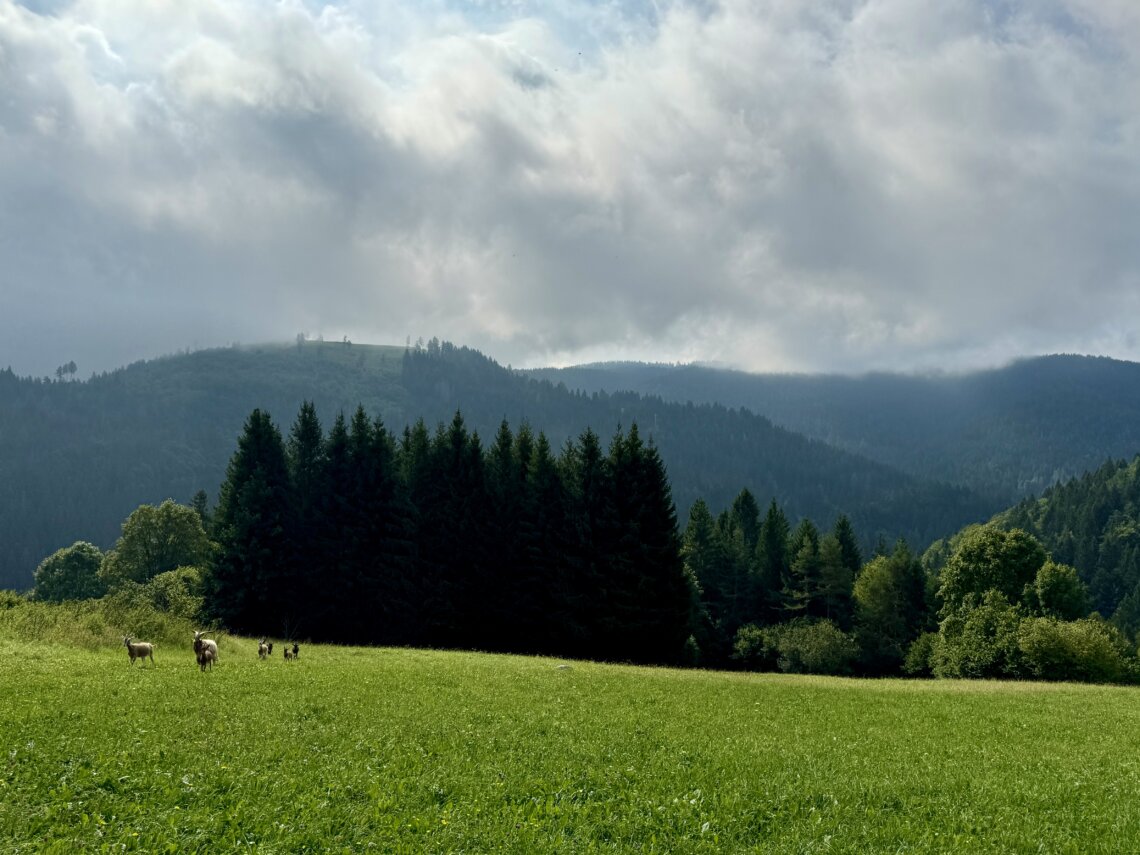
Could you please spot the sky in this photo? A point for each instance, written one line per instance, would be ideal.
(777, 185)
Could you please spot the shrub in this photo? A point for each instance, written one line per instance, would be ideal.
(815, 648)
(1087, 649)
(755, 648)
(980, 641)
(919, 661)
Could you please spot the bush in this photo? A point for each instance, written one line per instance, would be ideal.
(1089, 650)
(919, 661)
(815, 648)
(755, 648)
(981, 641)
(797, 647)
(94, 624)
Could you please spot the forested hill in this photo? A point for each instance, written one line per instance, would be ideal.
(1093, 524)
(1008, 432)
(77, 457)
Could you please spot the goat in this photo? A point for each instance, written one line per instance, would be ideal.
(206, 643)
(292, 653)
(262, 649)
(206, 657)
(296, 651)
(139, 650)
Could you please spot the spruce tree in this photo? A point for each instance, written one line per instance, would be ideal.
(773, 565)
(802, 582)
(248, 588)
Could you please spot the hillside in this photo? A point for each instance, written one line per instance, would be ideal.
(1093, 523)
(76, 458)
(1008, 432)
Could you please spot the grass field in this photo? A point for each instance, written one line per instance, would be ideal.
(354, 750)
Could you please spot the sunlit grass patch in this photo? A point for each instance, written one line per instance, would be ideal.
(352, 749)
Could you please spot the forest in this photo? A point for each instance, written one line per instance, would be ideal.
(77, 456)
(429, 538)
(1006, 433)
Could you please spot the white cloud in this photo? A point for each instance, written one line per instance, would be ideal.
(836, 185)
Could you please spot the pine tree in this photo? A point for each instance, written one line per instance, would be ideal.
(802, 583)
(849, 545)
(772, 565)
(247, 589)
(592, 527)
(835, 583)
(546, 550)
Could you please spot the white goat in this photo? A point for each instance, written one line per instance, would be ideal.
(207, 644)
(139, 650)
(262, 649)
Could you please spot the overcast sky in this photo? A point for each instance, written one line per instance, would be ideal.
(784, 185)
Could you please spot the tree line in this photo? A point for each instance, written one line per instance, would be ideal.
(428, 539)
(355, 535)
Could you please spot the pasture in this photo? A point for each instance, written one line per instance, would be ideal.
(358, 750)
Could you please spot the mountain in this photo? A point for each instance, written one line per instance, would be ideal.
(1007, 433)
(77, 457)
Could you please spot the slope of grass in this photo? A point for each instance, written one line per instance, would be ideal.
(354, 750)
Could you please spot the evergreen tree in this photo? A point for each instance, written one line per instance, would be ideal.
(592, 528)
(546, 546)
(650, 599)
(849, 545)
(703, 552)
(802, 582)
(835, 583)
(746, 517)
(772, 564)
(252, 525)
(305, 457)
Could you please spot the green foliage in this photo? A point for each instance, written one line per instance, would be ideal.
(919, 660)
(797, 647)
(92, 451)
(176, 593)
(1093, 524)
(1060, 593)
(98, 624)
(1089, 650)
(981, 641)
(990, 559)
(891, 610)
(815, 647)
(71, 573)
(156, 539)
(247, 588)
(755, 648)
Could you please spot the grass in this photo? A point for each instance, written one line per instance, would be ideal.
(355, 750)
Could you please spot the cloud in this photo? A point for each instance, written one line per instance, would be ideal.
(828, 186)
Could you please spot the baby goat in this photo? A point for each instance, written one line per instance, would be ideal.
(139, 650)
(292, 654)
(262, 649)
(206, 657)
(206, 644)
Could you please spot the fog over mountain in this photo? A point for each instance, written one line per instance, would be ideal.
(836, 186)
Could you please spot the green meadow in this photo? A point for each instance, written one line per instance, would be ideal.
(392, 750)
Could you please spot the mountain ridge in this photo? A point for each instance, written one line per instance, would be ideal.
(77, 457)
